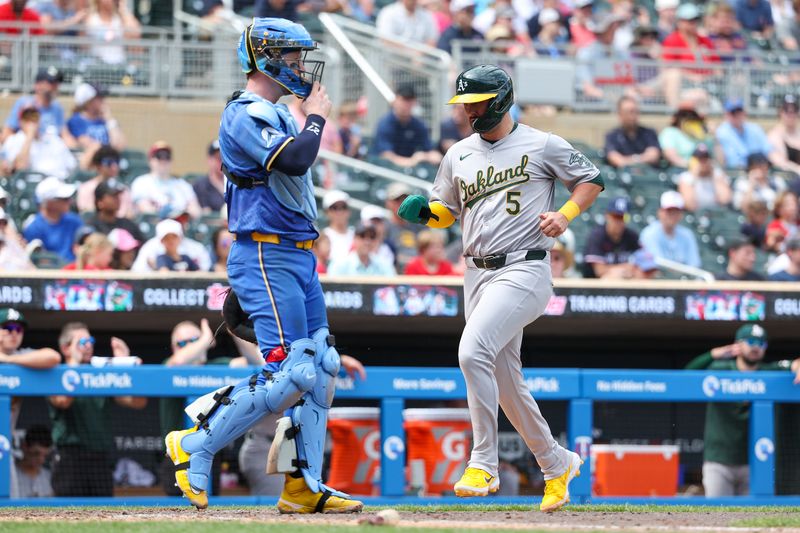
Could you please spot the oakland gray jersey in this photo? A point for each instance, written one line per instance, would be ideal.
(500, 189)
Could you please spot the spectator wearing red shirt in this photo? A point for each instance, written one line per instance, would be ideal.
(430, 261)
(15, 11)
(686, 44)
(784, 226)
(95, 253)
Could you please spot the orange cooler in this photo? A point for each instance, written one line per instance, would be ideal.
(441, 439)
(634, 470)
(356, 456)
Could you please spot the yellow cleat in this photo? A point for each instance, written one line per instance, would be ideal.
(556, 491)
(181, 461)
(476, 482)
(297, 498)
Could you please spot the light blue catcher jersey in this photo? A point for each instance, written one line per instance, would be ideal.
(252, 133)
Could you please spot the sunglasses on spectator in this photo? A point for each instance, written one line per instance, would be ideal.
(14, 328)
(339, 207)
(163, 155)
(184, 342)
(85, 340)
(109, 161)
(755, 343)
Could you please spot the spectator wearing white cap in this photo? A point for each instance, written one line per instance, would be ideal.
(339, 231)
(375, 217)
(91, 122)
(12, 256)
(407, 21)
(54, 225)
(551, 38)
(665, 238)
(150, 250)
(580, 24)
(665, 17)
(170, 233)
(159, 192)
(463, 15)
(31, 149)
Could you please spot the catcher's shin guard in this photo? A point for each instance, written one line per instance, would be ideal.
(310, 416)
(250, 399)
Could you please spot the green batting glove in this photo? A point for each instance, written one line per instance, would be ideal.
(415, 209)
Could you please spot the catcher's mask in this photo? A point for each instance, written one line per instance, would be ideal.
(485, 82)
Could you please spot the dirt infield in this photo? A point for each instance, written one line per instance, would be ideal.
(633, 519)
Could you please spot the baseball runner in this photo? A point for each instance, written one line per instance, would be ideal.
(271, 210)
(500, 182)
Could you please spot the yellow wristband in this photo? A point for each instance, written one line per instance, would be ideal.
(570, 210)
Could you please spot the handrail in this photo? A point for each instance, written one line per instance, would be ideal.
(347, 45)
(319, 192)
(680, 268)
(374, 170)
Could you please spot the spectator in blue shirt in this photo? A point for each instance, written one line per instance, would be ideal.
(402, 138)
(631, 143)
(792, 272)
(54, 224)
(666, 238)
(755, 16)
(738, 138)
(210, 190)
(45, 89)
(92, 124)
(361, 261)
(463, 15)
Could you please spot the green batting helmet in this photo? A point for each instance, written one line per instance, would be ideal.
(485, 82)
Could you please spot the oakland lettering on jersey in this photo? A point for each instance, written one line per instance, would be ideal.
(492, 182)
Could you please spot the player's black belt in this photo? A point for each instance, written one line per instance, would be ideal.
(493, 262)
(242, 183)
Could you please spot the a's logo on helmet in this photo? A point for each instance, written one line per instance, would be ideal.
(462, 85)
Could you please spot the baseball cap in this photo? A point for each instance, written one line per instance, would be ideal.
(157, 147)
(168, 227)
(793, 243)
(602, 23)
(644, 260)
(618, 206)
(51, 74)
(123, 240)
(369, 212)
(548, 15)
(790, 103)
(672, 200)
(701, 151)
(751, 331)
(583, 3)
(756, 158)
(363, 230)
(110, 186)
(667, 4)
(213, 147)
(85, 92)
(333, 197)
(396, 190)
(10, 314)
(406, 90)
(52, 188)
(734, 104)
(687, 12)
(458, 5)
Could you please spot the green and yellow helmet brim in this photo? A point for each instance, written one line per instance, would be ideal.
(471, 98)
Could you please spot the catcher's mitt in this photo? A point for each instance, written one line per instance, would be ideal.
(237, 320)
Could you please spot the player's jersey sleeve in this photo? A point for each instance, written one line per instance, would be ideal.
(567, 164)
(444, 189)
(260, 132)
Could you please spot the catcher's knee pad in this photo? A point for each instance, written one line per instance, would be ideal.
(250, 399)
(310, 416)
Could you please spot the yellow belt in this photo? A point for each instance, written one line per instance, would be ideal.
(272, 238)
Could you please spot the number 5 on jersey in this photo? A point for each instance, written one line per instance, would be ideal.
(512, 202)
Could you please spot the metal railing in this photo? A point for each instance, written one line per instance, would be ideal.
(373, 65)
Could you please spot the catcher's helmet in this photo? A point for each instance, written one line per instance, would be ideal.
(485, 82)
(262, 46)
